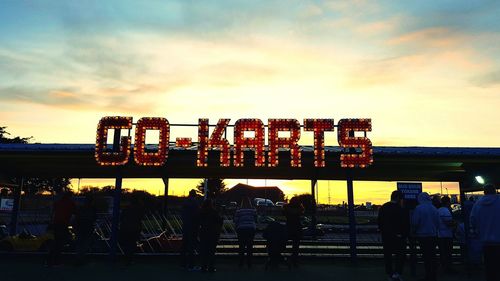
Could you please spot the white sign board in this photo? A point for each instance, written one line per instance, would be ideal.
(410, 190)
(6, 205)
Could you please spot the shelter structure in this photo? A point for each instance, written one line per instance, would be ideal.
(439, 164)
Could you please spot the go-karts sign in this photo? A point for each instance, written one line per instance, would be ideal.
(357, 151)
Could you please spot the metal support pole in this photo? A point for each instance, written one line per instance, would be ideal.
(15, 209)
(352, 218)
(165, 194)
(116, 200)
(313, 215)
(465, 216)
(412, 244)
(205, 188)
(116, 213)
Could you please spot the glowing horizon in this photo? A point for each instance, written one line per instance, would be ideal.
(329, 192)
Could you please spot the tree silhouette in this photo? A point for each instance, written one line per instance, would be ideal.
(35, 185)
(5, 139)
(215, 187)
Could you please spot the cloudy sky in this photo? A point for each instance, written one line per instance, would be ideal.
(427, 73)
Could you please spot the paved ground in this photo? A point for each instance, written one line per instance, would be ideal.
(152, 269)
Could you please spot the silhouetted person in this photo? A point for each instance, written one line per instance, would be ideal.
(293, 213)
(393, 224)
(469, 202)
(190, 229)
(436, 201)
(84, 226)
(468, 239)
(276, 239)
(131, 227)
(64, 209)
(244, 220)
(467, 209)
(425, 225)
(445, 233)
(485, 221)
(210, 228)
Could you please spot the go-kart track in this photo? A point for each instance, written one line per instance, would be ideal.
(162, 235)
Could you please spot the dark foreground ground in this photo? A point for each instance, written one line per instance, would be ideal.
(161, 268)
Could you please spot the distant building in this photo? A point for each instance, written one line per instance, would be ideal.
(238, 192)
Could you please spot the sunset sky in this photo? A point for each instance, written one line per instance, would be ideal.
(427, 73)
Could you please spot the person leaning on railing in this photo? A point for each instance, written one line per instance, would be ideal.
(210, 228)
(293, 212)
(64, 209)
(244, 220)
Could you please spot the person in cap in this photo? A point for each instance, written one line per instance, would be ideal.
(485, 221)
(425, 225)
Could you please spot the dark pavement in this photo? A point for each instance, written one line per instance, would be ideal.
(166, 268)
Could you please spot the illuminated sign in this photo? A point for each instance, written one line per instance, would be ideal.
(357, 150)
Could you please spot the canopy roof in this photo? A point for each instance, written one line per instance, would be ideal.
(457, 164)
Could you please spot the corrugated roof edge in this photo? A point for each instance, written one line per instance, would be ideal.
(378, 150)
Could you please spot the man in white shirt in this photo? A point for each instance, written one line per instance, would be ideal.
(445, 233)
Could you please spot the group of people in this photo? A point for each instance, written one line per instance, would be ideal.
(83, 218)
(431, 223)
(277, 235)
(202, 227)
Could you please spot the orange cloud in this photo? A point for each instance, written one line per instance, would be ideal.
(376, 28)
(436, 37)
